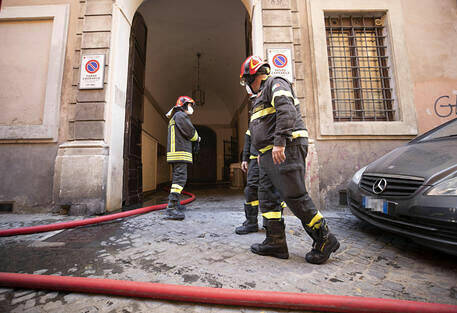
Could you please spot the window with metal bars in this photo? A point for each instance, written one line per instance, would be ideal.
(360, 79)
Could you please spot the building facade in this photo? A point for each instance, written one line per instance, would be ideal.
(370, 75)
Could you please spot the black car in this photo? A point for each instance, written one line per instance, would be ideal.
(412, 190)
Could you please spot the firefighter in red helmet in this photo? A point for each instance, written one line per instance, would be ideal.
(181, 134)
(279, 134)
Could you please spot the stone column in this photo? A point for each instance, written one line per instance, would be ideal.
(80, 179)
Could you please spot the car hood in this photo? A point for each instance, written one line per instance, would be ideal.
(425, 159)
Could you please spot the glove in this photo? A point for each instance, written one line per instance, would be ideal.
(199, 139)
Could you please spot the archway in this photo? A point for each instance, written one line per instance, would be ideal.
(220, 31)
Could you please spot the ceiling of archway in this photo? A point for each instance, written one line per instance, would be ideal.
(177, 30)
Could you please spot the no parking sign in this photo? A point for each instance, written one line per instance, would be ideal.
(280, 61)
(92, 71)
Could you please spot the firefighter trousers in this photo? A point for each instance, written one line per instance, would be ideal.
(178, 181)
(289, 179)
(252, 186)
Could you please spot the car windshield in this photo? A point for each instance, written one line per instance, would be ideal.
(448, 131)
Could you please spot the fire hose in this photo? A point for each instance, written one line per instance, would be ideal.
(89, 221)
(221, 296)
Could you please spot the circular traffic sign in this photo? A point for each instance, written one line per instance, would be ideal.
(92, 66)
(280, 60)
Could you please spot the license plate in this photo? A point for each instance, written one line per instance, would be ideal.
(374, 204)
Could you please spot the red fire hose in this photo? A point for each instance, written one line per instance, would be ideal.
(253, 298)
(89, 221)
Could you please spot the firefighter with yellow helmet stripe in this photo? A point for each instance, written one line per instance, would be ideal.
(181, 134)
(278, 132)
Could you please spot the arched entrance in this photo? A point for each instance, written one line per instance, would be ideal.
(219, 30)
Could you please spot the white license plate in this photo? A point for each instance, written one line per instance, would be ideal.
(374, 204)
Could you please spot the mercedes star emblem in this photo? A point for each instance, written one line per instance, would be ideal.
(379, 185)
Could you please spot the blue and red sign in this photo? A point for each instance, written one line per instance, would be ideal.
(92, 66)
(280, 60)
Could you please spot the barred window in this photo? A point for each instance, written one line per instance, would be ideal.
(360, 79)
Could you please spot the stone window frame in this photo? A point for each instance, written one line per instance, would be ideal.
(406, 124)
(59, 14)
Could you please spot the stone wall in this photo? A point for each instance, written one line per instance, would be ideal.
(82, 161)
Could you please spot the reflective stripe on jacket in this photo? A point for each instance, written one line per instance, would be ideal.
(276, 117)
(181, 133)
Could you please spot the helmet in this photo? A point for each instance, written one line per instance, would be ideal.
(250, 67)
(181, 103)
(183, 100)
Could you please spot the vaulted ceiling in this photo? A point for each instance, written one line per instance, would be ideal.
(177, 31)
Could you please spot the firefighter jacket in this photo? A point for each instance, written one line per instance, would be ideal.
(181, 133)
(276, 118)
(249, 152)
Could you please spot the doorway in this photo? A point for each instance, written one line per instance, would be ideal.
(165, 41)
(204, 167)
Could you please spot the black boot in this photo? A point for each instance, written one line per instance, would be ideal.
(275, 244)
(172, 212)
(324, 243)
(181, 207)
(250, 224)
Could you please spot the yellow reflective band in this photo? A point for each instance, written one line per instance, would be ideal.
(296, 102)
(263, 112)
(263, 150)
(253, 203)
(179, 159)
(253, 157)
(195, 137)
(248, 132)
(300, 133)
(180, 153)
(176, 188)
(271, 215)
(179, 156)
(316, 219)
(281, 93)
(283, 205)
(322, 248)
(172, 138)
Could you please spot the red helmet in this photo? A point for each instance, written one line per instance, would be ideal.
(183, 100)
(251, 66)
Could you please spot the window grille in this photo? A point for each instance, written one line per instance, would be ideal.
(360, 79)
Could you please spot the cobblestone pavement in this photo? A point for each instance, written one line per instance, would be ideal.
(203, 250)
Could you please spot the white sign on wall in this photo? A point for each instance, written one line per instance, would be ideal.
(92, 71)
(280, 61)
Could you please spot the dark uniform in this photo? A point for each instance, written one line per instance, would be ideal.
(250, 155)
(251, 206)
(181, 133)
(276, 121)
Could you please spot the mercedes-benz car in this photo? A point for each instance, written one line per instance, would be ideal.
(412, 190)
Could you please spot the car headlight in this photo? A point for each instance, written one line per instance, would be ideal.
(358, 175)
(445, 188)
